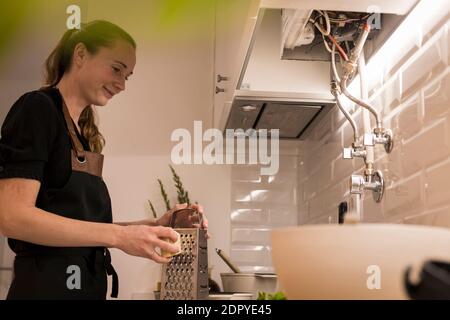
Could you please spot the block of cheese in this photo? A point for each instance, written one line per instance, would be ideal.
(166, 254)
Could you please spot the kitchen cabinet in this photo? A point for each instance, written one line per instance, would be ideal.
(235, 21)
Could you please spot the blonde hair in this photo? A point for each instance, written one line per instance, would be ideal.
(93, 35)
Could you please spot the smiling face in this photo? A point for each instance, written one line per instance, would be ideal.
(103, 74)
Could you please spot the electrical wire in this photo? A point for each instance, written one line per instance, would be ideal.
(326, 44)
(327, 33)
(318, 26)
(340, 50)
(333, 64)
(349, 20)
(327, 21)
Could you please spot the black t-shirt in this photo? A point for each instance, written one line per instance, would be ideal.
(35, 143)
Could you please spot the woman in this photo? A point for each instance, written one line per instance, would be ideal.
(54, 206)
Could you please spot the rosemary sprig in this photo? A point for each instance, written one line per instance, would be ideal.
(183, 196)
(164, 195)
(153, 209)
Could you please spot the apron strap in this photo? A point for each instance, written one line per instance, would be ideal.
(78, 147)
(111, 272)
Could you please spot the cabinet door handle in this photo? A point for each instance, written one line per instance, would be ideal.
(219, 90)
(221, 78)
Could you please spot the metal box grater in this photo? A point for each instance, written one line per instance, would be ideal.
(186, 276)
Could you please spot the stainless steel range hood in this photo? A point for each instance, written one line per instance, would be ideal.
(292, 116)
(275, 94)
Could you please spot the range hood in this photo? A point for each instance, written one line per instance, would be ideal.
(271, 94)
(286, 88)
(292, 116)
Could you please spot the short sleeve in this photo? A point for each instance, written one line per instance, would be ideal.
(27, 136)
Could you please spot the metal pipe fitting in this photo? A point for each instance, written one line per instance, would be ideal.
(360, 102)
(374, 183)
(335, 90)
(359, 45)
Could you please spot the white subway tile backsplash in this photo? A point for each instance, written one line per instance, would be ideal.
(261, 195)
(288, 163)
(391, 166)
(257, 269)
(425, 149)
(337, 118)
(260, 203)
(241, 193)
(302, 214)
(408, 119)
(324, 177)
(323, 128)
(312, 162)
(428, 65)
(437, 218)
(390, 96)
(329, 152)
(371, 211)
(335, 138)
(447, 36)
(249, 194)
(307, 147)
(300, 193)
(436, 98)
(302, 173)
(318, 181)
(404, 197)
(342, 168)
(331, 218)
(243, 236)
(283, 197)
(311, 188)
(250, 255)
(332, 197)
(345, 187)
(377, 101)
(249, 173)
(285, 181)
(248, 216)
(437, 187)
(289, 147)
(441, 218)
(348, 130)
(317, 206)
(282, 217)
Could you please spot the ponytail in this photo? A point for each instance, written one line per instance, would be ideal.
(57, 62)
(89, 130)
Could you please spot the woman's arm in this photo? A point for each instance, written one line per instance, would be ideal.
(20, 219)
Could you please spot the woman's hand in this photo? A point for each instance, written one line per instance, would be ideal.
(193, 220)
(143, 241)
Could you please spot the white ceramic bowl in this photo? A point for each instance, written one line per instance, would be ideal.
(360, 261)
